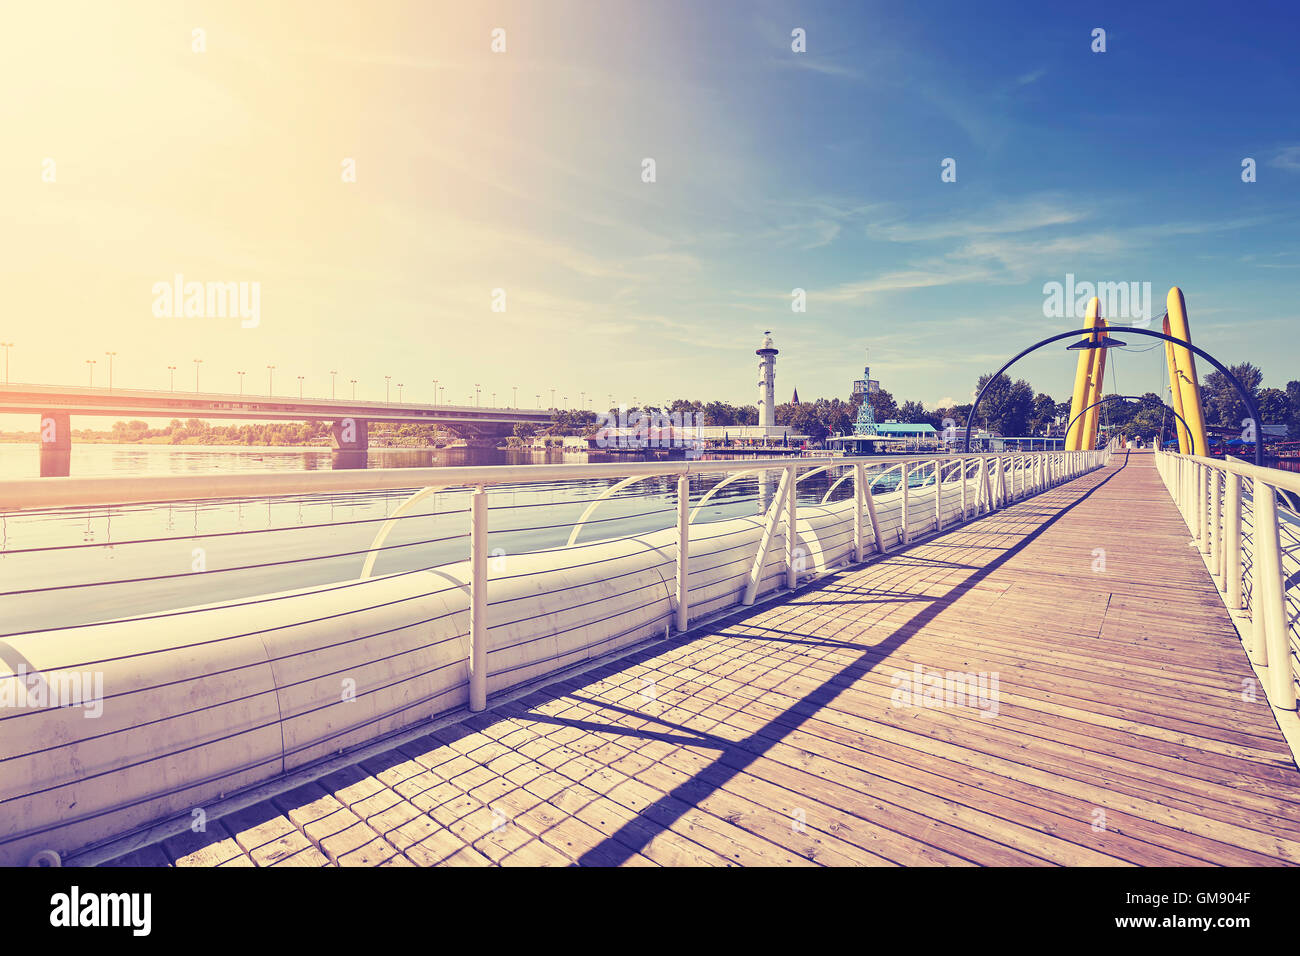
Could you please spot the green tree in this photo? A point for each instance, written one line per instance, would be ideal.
(1222, 404)
(1043, 415)
(807, 421)
(720, 413)
(883, 405)
(1007, 406)
(912, 413)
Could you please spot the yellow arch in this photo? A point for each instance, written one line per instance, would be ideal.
(1082, 384)
(1188, 390)
(1092, 418)
(1176, 396)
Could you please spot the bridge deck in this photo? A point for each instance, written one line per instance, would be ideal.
(1121, 734)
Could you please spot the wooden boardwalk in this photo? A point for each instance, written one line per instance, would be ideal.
(1119, 733)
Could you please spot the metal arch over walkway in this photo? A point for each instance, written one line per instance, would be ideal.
(1120, 732)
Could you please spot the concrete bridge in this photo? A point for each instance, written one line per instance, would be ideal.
(1052, 658)
(55, 404)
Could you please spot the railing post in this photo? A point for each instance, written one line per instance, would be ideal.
(1270, 597)
(962, 470)
(765, 540)
(871, 510)
(984, 489)
(859, 541)
(938, 495)
(906, 538)
(478, 628)
(1184, 497)
(791, 531)
(683, 549)
(1202, 508)
(1232, 540)
(1216, 526)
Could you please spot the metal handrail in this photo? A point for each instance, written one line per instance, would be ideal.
(19, 494)
(1241, 542)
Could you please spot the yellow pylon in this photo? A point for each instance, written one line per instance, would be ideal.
(1176, 399)
(1082, 383)
(1093, 417)
(1188, 389)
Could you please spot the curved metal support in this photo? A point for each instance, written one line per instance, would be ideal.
(720, 485)
(1251, 408)
(871, 482)
(1139, 398)
(813, 472)
(391, 523)
(838, 481)
(595, 503)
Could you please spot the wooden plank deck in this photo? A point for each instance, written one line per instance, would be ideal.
(1120, 736)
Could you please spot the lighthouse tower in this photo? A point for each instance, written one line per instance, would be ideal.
(767, 382)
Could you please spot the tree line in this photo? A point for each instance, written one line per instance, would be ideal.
(1010, 408)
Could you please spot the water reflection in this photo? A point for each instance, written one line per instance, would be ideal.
(257, 546)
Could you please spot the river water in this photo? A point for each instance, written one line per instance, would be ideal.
(64, 567)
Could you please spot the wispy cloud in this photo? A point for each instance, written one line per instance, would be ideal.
(1288, 158)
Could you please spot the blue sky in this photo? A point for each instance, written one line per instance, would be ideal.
(521, 170)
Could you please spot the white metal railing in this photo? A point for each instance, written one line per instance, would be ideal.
(281, 679)
(931, 493)
(1245, 521)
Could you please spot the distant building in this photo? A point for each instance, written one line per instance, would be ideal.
(767, 382)
(864, 386)
(892, 429)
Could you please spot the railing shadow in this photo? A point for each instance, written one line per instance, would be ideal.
(733, 757)
(736, 756)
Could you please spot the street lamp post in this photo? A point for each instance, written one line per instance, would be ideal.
(172, 371)
(386, 381)
(270, 380)
(400, 386)
(91, 363)
(6, 346)
(515, 402)
(197, 363)
(539, 399)
(354, 388)
(476, 386)
(552, 396)
(435, 391)
(300, 378)
(110, 369)
(241, 382)
(333, 372)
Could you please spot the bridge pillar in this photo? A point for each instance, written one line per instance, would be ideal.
(56, 445)
(350, 438)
